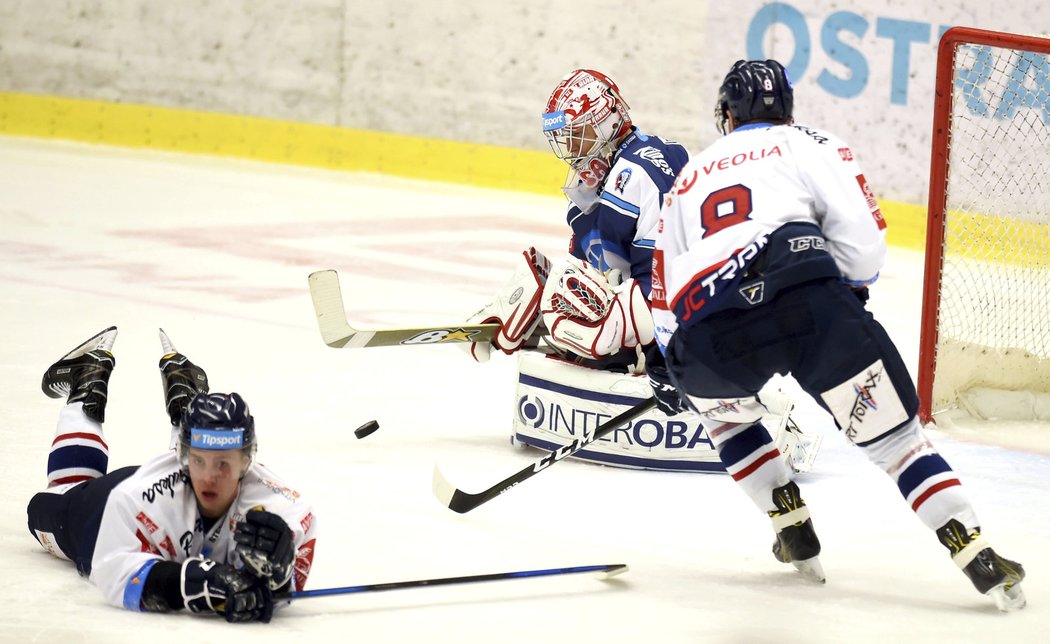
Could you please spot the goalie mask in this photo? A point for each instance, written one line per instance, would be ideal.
(584, 122)
(217, 422)
(754, 90)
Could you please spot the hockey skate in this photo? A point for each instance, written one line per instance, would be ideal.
(797, 541)
(82, 375)
(991, 574)
(180, 379)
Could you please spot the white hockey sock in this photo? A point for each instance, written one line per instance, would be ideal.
(924, 478)
(79, 451)
(751, 458)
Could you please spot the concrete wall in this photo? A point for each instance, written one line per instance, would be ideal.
(480, 71)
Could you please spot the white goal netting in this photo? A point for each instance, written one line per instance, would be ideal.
(992, 349)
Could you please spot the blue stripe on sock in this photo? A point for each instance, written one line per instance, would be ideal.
(918, 472)
(744, 444)
(79, 456)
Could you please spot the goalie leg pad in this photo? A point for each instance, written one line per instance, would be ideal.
(798, 447)
(516, 308)
(558, 402)
(770, 410)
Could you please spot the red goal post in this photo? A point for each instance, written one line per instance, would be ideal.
(984, 342)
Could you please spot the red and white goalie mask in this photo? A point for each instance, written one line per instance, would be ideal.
(584, 122)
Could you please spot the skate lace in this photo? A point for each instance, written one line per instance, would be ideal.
(955, 537)
(787, 499)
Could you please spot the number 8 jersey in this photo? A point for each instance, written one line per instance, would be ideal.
(763, 208)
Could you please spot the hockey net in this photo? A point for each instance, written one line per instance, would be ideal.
(985, 336)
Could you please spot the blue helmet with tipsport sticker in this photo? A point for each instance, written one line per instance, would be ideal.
(216, 422)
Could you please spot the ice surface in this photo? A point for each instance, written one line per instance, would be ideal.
(217, 253)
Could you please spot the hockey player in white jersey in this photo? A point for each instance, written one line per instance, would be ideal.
(202, 527)
(593, 306)
(769, 241)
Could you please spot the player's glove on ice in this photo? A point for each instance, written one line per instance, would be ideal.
(237, 595)
(264, 542)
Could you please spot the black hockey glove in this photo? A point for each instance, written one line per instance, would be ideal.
(237, 595)
(264, 542)
(668, 400)
(861, 294)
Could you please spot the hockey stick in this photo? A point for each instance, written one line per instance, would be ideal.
(337, 332)
(459, 501)
(605, 572)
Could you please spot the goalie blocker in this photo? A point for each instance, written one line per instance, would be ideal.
(557, 402)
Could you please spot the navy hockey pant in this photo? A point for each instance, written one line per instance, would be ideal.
(74, 517)
(818, 331)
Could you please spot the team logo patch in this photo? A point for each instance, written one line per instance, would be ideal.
(48, 542)
(873, 204)
(216, 439)
(622, 179)
(753, 293)
(147, 522)
(866, 406)
(553, 121)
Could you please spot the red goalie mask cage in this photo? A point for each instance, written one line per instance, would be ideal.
(985, 336)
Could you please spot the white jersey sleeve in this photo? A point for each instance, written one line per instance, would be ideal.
(844, 205)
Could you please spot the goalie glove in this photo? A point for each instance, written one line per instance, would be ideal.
(586, 315)
(516, 308)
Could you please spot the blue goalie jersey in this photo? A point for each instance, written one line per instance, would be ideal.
(619, 231)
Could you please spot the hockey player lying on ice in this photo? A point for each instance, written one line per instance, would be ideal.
(202, 526)
(593, 306)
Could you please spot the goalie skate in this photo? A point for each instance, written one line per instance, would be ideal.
(82, 375)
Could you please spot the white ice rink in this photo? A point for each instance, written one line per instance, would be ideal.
(217, 253)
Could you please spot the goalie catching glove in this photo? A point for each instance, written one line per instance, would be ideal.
(516, 309)
(588, 316)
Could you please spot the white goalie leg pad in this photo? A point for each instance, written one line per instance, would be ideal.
(558, 402)
(516, 308)
(799, 448)
(588, 316)
(773, 407)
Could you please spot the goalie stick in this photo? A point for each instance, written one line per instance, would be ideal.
(459, 501)
(605, 571)
(338, 334)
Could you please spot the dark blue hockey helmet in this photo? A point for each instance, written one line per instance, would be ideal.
(216, 422)
(754, 90)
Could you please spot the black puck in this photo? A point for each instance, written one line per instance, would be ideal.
(366, 429)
